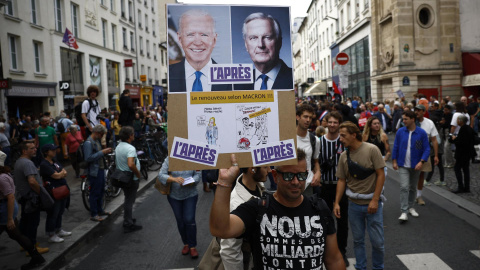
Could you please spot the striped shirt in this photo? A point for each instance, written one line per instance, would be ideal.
(327, 150)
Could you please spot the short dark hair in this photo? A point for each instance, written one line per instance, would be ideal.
(92, 88)
(336, 115)
(460, 106)
(125, 133)
(126, 91)
(24, 145)
(305, 107)
(409, 114)
(446, 106)
(352, 129)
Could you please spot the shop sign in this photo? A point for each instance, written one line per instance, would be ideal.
(128, 63)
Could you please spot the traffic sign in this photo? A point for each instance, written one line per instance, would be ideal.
(6, 83)
(342, 58)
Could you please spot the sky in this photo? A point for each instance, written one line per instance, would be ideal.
(298, 10)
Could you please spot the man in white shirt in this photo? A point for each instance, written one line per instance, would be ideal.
(91, 109)
(304, 141)
(432, 133)
(198, 37)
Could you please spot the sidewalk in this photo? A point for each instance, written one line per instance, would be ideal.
(76, 219)
(470, 201)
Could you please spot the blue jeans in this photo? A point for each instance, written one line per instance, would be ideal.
(97, 189)
(408, 187)
(357, 216)
(184, 211)
(54, 217)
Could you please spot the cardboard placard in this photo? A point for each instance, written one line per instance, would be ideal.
(177, 126)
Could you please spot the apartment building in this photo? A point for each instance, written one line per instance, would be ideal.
(111, 35)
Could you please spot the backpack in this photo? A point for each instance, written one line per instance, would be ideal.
(60, 126)
(78, 111)
(82, 164)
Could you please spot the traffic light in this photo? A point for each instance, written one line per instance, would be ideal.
(6, 83)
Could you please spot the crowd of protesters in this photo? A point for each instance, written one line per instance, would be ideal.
(447, 129)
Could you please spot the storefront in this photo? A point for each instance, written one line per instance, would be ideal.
(30, 98)
(134, 94)
(157, 95)
(72, 71)
(471, 74)
(146, 96)
(113, 82)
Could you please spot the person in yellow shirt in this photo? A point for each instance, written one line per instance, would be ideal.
(115, 128)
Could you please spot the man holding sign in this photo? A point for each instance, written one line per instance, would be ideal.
(197, 37)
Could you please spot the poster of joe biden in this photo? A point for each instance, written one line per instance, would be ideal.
(225, 48)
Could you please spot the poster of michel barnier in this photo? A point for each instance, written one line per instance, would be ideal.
(230, 85)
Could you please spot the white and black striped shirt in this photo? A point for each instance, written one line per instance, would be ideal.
(327, 150)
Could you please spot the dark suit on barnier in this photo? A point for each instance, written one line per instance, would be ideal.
(284, 79)
(177, 82)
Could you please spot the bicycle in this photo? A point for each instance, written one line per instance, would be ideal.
(110, 190)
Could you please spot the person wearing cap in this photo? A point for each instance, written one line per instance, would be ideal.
(4, 143)
(432, 133)
(411, 150)
(95, 171)
(53, 175)
(9, 213)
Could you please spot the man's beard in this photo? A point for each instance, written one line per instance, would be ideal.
(258, 177)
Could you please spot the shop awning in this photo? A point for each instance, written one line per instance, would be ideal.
(471, 80)
(319, 88)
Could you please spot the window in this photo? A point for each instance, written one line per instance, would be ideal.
(13, 52)
(139, 18)
(114, 37)
(112, 5)
(141, 45)
(148, 48)
(348, 13)
(58, 15)
(156, 75)
(102, 2)
(104, 33)
(124, 37)
(132, 41)
(161, 54)
(425, 16)
(122, 8)
(149, 74)
(9, 8)
(130, 11)
(74, 20)
(37, 54)
(153, 27)
(142, 70)
(153, 5)
(34, 11)
(154, 51)
(146, 22)
(357, 4)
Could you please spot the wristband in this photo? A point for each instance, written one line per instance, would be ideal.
(218, 183)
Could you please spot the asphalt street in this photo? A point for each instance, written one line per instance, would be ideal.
(445, 236)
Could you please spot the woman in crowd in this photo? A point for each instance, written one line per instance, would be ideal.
(4, 143)
(374, 134)
(153, 122)
(53, 175)
(73, 141)
(8, 215)
(183, 200)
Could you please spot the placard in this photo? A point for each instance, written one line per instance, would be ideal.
(218, 54)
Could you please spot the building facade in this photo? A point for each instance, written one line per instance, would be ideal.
(416, 48)
(108, 33)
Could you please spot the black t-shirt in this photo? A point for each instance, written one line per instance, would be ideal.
(472, 108)
(286, 238)
(47, 169)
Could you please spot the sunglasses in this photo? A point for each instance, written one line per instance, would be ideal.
(288, 176)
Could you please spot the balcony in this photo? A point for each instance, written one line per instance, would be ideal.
(141, 52)
(123, 14)
(155, 57)
(153, 10)
(154, 33)
(157, 82)
(150, 81)
(130, 19)
(145, 3)
(140, 25)
(127, 79)
(148, 54)
(146, 29)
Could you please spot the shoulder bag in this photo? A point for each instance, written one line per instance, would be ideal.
(163, 189)
(356, 170)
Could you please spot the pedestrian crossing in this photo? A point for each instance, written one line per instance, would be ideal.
(418, 261)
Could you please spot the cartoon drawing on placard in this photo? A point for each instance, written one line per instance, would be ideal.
(251, 131)
(212, 132)
(261, 130)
